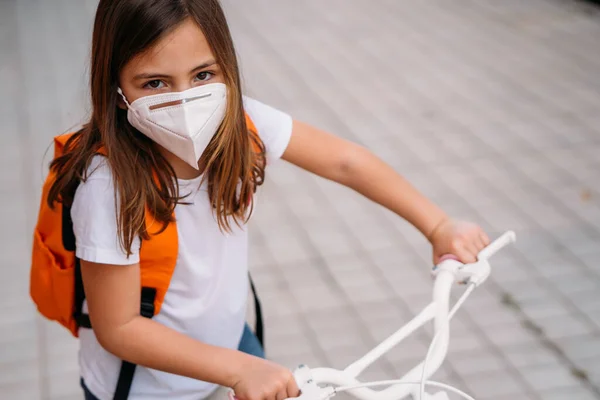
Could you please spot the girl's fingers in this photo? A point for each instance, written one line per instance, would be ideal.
(480, 243)
(292, 388)
(465, 254)
(474, 250)
(484, 238)
(478, 240)
(282, 394)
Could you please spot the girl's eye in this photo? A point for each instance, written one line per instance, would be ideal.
(155, 84)
(204, 75)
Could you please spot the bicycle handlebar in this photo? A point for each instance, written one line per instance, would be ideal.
(446, 273)
(504, 240)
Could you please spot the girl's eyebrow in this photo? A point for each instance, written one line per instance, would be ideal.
(207, 64)
(150, 75)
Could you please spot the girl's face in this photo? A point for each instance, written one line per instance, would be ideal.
(179, 61)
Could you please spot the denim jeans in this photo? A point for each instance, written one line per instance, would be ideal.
(249, 344)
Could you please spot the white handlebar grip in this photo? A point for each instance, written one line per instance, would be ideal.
(504, 240)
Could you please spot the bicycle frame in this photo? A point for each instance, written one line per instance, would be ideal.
(446, 274)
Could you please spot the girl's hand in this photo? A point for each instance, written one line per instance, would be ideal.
(459, 238)
(260, 379)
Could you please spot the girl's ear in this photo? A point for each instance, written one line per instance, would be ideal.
(121, 104)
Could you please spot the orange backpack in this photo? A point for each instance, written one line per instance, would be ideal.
(56, 286)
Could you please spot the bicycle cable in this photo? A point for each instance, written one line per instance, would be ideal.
(401, 382)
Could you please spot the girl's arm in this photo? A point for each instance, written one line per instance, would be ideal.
(113, 296)
(356, 167)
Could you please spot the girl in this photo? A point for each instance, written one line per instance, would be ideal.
(177, 140)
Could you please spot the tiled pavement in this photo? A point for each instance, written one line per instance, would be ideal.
(492, 108)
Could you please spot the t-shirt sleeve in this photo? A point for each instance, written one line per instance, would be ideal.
(274, 127)
(94, 219)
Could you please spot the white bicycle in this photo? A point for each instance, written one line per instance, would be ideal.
(324, 383)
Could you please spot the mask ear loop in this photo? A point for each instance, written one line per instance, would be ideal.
(123, 96)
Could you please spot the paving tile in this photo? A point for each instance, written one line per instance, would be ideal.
(72, 395)
(312, 359)
(520, 396)
(545, 308)
(591, 367)
(590, 259)
(529, 355)
(564, 326)
(341, 336)
(288, 249)
(532, 205)
(327, 318)
(559, 265)
(369, 293)
(342, 357)
(26, 390)
(285, 305)
(17, 351)
(65, 385)
(508, 335)
(19, 372)
(587, 301)
(549, 377)
(290, 345)
(406, 281)
(17, 324)
(300, 274)
(478, 362)
(317, 296)
(384, 312)
(573, 393)
(529, 291)
(495, 384)
(577, 238)
(355, 273)
(377, 372)
(283, 325)
(488, 310)
(468, 341)
(371, 237)
(330, 240)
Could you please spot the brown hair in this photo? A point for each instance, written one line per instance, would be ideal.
(143, 178)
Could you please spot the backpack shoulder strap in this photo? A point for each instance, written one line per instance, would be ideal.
(259, 327)
(254, 136)
(158, 257)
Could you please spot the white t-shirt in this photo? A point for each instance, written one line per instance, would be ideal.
(207, 296)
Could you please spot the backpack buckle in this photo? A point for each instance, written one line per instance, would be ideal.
(147, 309)
(147, 302)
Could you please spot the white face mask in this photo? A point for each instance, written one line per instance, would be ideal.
(181, 122)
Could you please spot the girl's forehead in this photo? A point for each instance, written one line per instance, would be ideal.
(182, 49)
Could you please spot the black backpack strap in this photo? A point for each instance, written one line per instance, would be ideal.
(128, 369)
(68, 239)
(259, 330)
(83, 320)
